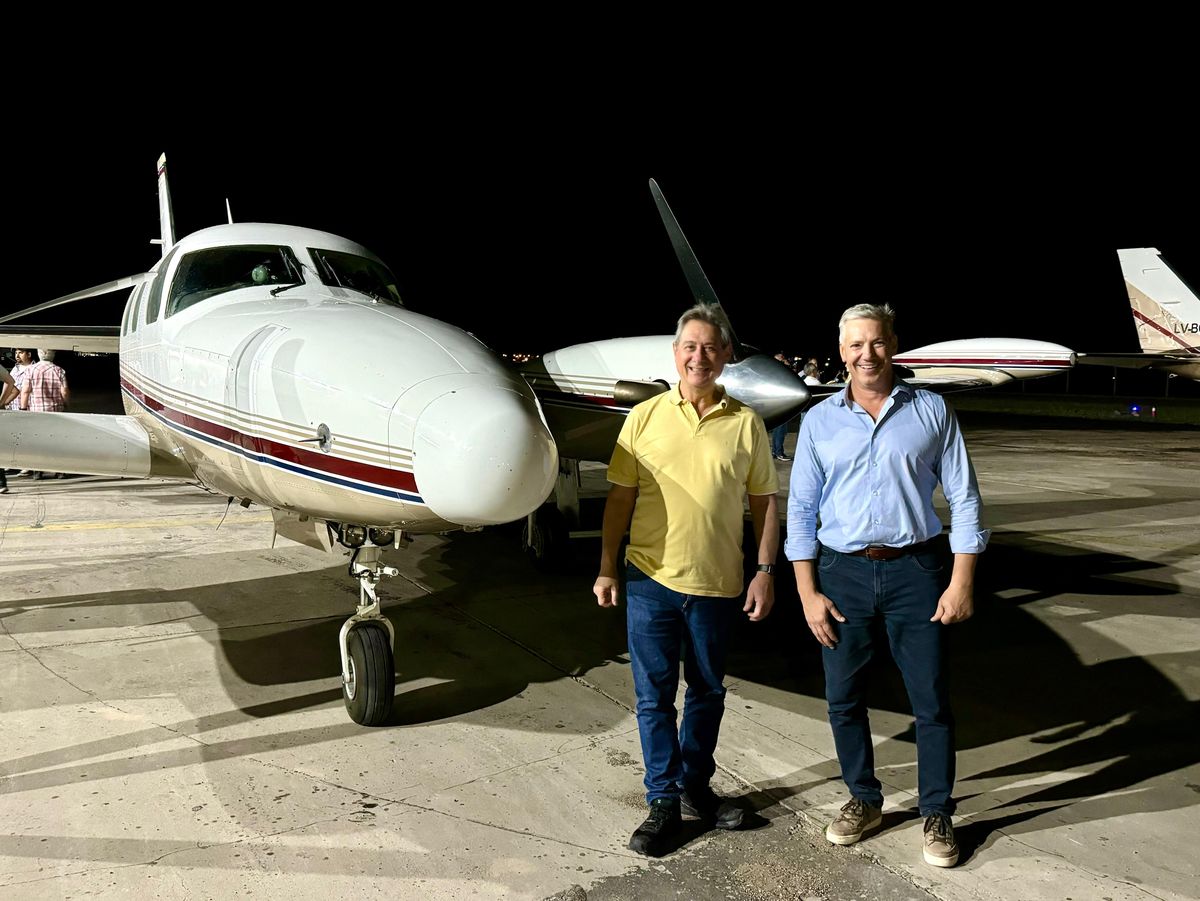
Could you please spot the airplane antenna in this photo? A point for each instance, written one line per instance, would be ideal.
(228, 504)
(697, 280)
(228, 211)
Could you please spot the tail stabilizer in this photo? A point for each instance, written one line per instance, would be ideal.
(130, 281)
(1165, 310)
(166, 217)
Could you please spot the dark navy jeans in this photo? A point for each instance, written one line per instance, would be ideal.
(896, 598)
(663, 626)
(777, 435)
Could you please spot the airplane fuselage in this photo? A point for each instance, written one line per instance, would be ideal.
(323, 400)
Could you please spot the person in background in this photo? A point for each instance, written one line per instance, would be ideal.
(8, 390)
(45, 389)
(24, 358)
(780, 431)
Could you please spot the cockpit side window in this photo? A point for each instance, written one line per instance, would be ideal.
(154, 298)
(346, 270)
(129, 323)
(206, 273)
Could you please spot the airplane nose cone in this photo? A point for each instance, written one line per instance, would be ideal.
(774, 391)
(483, 456)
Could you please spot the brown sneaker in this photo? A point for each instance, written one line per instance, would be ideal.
(856, 819)
(941, 848)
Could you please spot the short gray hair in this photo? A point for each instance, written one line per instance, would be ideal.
(879, 312)
(713, 315)
(47, 355)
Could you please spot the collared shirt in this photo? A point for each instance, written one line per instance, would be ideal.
(692, 476)
(872, 482)
(18, 373)
(47, 381)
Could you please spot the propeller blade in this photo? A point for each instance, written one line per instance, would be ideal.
(697, 280)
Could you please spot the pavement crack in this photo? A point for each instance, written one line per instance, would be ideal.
(42, 663)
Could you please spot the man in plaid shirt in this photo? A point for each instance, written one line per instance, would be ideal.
(8, 389)
(45, 388)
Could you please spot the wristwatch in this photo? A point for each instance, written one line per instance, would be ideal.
(768, 568)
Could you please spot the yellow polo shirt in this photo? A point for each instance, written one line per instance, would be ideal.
(692, 476)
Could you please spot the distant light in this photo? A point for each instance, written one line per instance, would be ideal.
(1135, 409)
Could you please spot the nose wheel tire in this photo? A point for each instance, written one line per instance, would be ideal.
(372, 669)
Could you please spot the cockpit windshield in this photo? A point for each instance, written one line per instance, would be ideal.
(345, 270)
(205, 273)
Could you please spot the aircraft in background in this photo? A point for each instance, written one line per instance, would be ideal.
(277, 365)
(1166, 313)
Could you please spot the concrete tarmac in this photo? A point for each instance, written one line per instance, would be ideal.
(173, 723)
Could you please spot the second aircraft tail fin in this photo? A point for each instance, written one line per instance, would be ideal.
(1165, 310)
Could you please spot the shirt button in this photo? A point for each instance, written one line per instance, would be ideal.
(877, 522)
(876, 493)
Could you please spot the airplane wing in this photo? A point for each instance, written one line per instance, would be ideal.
(90, 443)
(1136, 360)
(103, 339)
(1182, 363)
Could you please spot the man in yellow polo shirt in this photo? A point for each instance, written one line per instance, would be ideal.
(681, 469)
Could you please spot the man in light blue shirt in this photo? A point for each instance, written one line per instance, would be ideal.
(861, 530)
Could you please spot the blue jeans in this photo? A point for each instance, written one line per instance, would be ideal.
(663, 624)
(777, 435)
(901, 595)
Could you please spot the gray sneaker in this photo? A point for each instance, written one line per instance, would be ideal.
(856, 819)
(941, 848)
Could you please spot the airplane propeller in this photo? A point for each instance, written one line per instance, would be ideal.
(697, 280)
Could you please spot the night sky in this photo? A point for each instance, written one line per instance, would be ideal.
(545, 235)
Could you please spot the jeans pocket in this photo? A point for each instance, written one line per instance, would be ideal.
(927, 561)
(827, 560)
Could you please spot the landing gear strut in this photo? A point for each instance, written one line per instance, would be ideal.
(366, 641)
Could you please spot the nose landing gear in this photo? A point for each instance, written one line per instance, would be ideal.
(366, 641)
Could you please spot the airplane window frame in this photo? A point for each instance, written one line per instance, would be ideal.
(135, 317)
(130, 302)
(154, 298)
(330, 276)
(272, 259)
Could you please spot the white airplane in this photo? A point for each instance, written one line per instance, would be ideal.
(276, 365)
(1166, 313)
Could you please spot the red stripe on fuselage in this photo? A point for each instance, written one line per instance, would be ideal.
(350, 469)
(967, 361)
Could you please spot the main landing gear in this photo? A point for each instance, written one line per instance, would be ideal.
(367, 638)
(546, 535)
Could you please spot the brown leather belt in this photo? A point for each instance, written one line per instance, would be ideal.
(883, 552)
